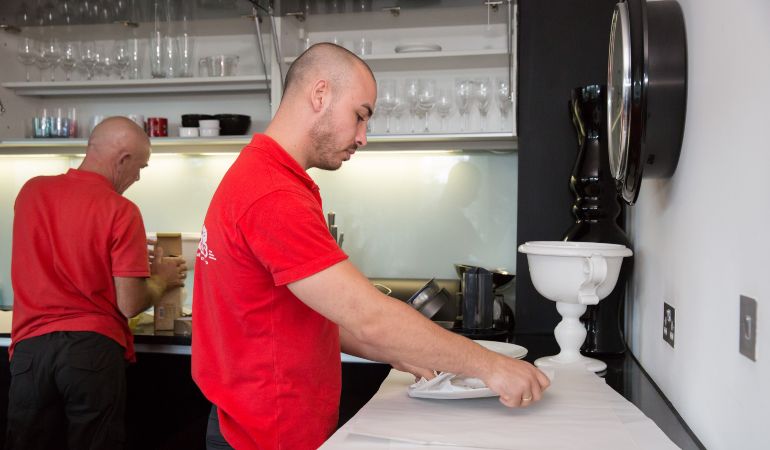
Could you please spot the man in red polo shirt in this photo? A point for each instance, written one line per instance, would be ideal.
(275, 299)
(79, 269)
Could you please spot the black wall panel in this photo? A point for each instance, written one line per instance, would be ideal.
(563, 44)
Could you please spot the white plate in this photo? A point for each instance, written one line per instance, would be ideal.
(410, 48)
(511, 350)
(426, 390)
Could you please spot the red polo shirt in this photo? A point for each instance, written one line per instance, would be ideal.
(72, 233)
(269, 362)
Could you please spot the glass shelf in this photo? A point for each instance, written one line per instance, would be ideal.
(433, 59)
(245, 83)
(503, 142)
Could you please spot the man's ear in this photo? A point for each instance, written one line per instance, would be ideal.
(320, 95)
(122, 160)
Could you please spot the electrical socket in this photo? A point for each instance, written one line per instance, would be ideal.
(747, 328)
(669, 321)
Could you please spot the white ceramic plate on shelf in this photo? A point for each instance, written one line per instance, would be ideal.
(412, 48)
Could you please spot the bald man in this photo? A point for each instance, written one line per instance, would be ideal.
(275, 298)
(79, 269)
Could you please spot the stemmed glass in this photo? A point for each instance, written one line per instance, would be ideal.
(504, 102)
(51, 53)
(444, 105)
(398, 112)
(121, 57)
(69, 58)
(89, 58)
(27, 54)
(42, 62)
(411, 89)
(483, 95)
(103, 65)
(426, 99)
(388, 100)
(464, 99)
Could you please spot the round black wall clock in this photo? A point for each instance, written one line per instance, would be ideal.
(646, 92)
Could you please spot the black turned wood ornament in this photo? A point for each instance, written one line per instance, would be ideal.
(596, 210)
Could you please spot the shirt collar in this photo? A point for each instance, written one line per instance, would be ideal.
(278, 153)
(86, 175)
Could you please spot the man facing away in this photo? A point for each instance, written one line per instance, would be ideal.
(79, 269)
(276, 300)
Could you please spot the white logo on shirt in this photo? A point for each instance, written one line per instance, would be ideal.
(204, 252)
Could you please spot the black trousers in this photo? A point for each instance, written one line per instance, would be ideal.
(68, 390)
(214, 438)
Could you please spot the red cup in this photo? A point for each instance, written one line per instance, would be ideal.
(157, 126)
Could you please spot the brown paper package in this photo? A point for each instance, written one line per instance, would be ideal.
(170, 306)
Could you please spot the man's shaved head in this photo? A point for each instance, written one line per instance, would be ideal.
(118, 148)
(325, 60)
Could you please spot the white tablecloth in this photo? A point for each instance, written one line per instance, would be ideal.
(579, 411)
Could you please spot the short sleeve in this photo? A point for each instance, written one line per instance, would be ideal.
(287, 234)
(128, 251)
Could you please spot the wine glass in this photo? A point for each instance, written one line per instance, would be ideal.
(43, 61)
(398, 112)
(411, 89)
(426, 99)
(504, 101)
(69, 58)
(482, 93)
(89, 58)
(464, 99)
(387, 101)
(121, 57)
(27, 54)
(103, 65)
(444, 105)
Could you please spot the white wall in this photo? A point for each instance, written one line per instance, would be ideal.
(701, 237)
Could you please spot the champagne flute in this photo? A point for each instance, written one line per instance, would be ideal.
(27, 54)
(504, 102)
(482, 94)
(411, 88)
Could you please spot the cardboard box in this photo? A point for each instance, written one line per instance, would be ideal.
(170, 306)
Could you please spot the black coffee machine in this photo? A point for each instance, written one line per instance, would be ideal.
(597, 209)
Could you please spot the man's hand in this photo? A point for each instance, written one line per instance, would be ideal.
(519, 383)
(171, 270)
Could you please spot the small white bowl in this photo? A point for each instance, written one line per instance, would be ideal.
(209, 132)
(208, 124)
(188, 131)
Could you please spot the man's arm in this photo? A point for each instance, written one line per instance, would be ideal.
(386, 329)
(352, 346)
(135, 294)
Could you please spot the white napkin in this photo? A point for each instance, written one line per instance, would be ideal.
(447, 382)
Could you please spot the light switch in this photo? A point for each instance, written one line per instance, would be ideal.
(748, 328)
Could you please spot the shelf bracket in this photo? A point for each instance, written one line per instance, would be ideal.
(493, 5)
(299, 15)
(10, 28)
(394, 11)
(126, 23)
